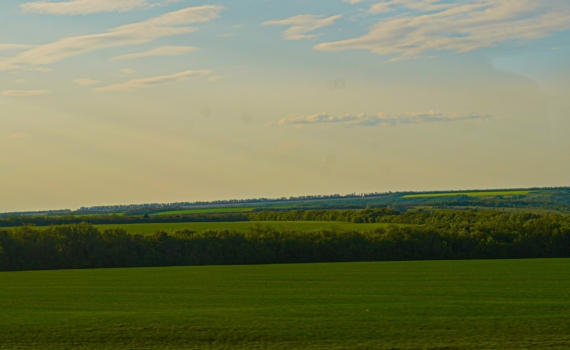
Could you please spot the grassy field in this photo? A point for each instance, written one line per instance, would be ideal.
(505, 304)
(470, 194)
(205, 210)
(242, 226)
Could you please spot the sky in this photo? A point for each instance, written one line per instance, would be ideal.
(107, 102)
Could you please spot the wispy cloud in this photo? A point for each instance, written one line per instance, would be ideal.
(436, 26)
(8, 66)
(18, 135)
(302, 24)
(13, 47)
(85, 7)
(423, 5)
(86, 81)
(169, 24)
(159, 51)
(137, 84)
(382, 119)
(24, 93)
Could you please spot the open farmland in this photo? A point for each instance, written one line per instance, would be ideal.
(205, 211)
(492, 304)
(471, 194)
(243, 226)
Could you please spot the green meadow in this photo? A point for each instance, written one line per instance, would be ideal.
(205, 210)
(471, 194)
(243, 226)
(492, 304)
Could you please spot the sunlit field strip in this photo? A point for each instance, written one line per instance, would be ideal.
(471, 194)
(205, 210)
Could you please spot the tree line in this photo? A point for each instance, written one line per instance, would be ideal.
(103, 219)
(363, 216)
(354, 216)
(377, 215)
(444, 235)
(347, 215)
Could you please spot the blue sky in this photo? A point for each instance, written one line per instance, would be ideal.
(108, 101)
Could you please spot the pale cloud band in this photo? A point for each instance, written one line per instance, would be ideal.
(382, 119)
(85, 7)
(169, 24)
(137, 84)
(24, 93)
(159, 51)
(437, 26)
(423, 6)
(302, 24)
(19, 135)
(13, 47)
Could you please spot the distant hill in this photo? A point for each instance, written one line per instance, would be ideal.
(517, 199)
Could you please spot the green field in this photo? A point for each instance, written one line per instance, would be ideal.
(205, 210)
(504, 304)
(242, 226)
(471, 194)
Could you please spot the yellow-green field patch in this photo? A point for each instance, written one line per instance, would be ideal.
(205, 211)
(471, 194)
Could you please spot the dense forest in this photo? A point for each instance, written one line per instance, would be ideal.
(439, 235)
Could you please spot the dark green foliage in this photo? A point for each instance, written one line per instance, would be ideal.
(354, 216)
(442, 235)
(102, 219)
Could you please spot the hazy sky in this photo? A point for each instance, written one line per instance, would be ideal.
(132, 101)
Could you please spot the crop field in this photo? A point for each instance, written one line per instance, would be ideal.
(243, 225)
(492, 304)
(471, 194)
(205, 210)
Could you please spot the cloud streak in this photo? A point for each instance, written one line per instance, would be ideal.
(24, 93)
(137, 84)
(423, 5)
(159, 51)
(428, 26)
(301, 25)
(19, 135)
(13, 47)
(382, 119)
(86, 7)
(169, 24)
